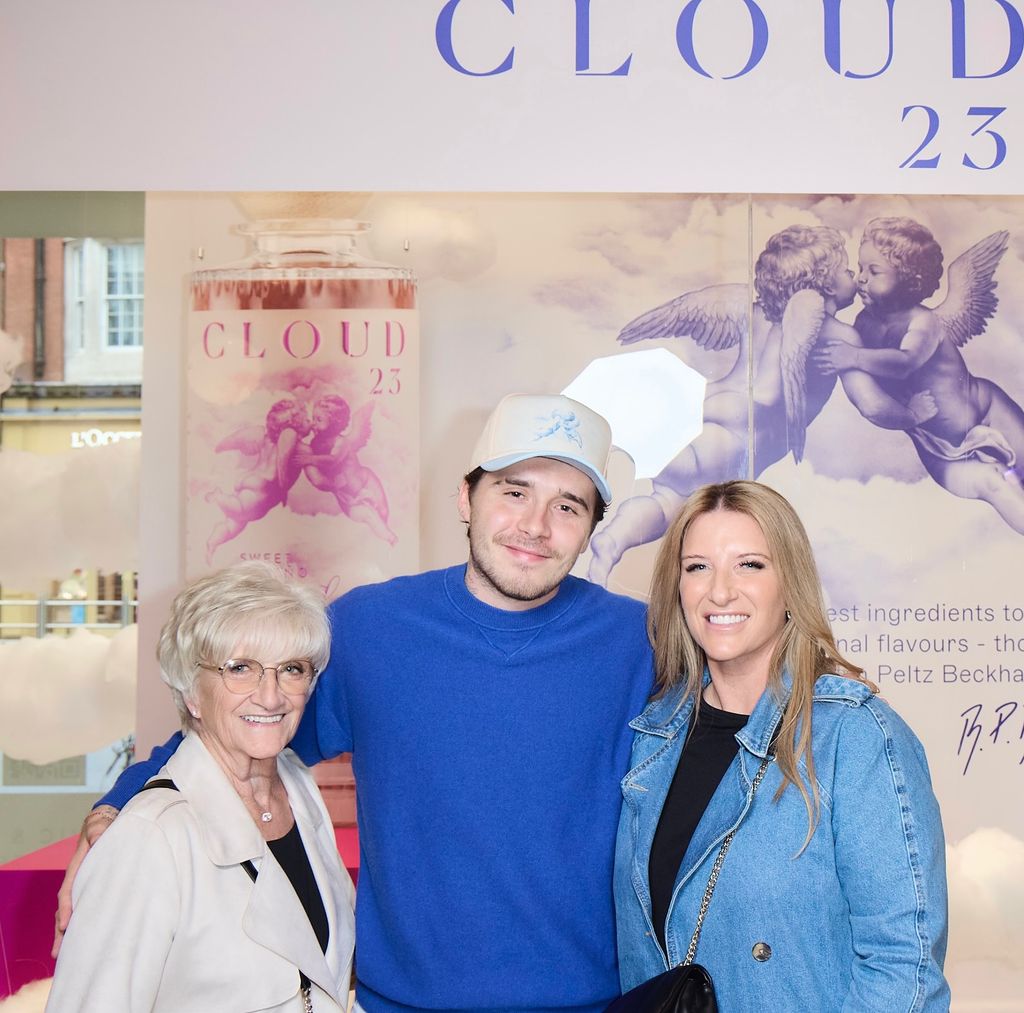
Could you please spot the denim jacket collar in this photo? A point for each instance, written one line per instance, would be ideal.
(670, 714)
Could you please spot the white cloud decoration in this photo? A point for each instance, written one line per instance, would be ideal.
(986, 898)
(79, 508)
(65, 696)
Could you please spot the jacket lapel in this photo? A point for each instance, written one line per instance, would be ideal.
(331, 877)
(274, 917)
(724, 812)
(646, 785)
(731, 799)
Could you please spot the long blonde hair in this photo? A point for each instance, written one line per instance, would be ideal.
(806, 648)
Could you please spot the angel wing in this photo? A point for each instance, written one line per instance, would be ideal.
(247, 440)
(715, 317)
(357, 434)
(970, 289)
(801, 325)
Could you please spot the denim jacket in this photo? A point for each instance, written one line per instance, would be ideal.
(855, 921)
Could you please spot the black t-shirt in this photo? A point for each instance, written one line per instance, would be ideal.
(291, 856)
(709, 749)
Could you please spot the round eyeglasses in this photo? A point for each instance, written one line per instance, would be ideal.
(243, 675)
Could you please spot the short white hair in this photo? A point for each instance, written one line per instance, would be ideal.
(251, 603)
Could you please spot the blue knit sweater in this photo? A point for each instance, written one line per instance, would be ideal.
(488, 747)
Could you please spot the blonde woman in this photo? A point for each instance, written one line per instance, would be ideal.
(832, 895)
(221, 888)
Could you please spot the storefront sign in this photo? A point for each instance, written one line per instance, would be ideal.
(94, 437)
(736, 96)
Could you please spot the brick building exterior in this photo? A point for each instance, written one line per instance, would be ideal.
(32, 305)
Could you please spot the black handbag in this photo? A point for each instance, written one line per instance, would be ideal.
(686, 988)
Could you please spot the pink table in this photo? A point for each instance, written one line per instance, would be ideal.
(28, 899)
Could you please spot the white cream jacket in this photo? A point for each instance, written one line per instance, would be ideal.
(165, 917)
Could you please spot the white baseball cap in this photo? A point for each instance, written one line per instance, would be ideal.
(546, 425)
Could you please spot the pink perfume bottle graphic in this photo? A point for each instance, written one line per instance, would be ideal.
(303, 416)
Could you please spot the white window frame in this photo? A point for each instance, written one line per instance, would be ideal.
(88, 299)
(130, 299)
(74, 297)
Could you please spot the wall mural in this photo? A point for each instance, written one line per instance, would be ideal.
(871, 367)
(863, 354)
(899, 364)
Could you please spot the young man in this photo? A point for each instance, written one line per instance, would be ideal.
(487, 709)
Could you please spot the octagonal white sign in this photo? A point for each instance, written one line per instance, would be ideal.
(653, 401)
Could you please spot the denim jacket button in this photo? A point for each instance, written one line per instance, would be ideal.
(761, 951)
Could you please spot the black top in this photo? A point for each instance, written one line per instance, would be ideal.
(709, 749)
(291, 856)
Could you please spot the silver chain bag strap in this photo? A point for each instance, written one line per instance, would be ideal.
(687, 987)
(691, 950)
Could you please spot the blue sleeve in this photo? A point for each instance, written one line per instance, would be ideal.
(305, 742)
(130, 783)
(324, 731)
(891, 862)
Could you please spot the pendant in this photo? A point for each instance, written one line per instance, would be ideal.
(266, 817)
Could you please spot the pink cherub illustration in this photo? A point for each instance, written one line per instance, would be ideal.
(331, 463)
(274, 450)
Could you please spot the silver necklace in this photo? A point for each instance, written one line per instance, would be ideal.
(266, 817)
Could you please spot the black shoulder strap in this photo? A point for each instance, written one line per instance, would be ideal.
(166, 782)
(160, 782)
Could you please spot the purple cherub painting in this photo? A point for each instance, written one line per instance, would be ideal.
(973, 444)
(899, 364)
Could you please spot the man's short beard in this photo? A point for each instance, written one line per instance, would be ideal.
(506, 588)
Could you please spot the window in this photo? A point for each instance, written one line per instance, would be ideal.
(124, 294)
(102, 295)
(103, 311)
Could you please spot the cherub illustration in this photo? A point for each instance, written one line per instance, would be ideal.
(802, 279)
(273, 451)
(566, 421)
(332, 463)
(973, 445)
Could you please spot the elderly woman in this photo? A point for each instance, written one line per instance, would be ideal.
(832, 893)
(221, 888)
